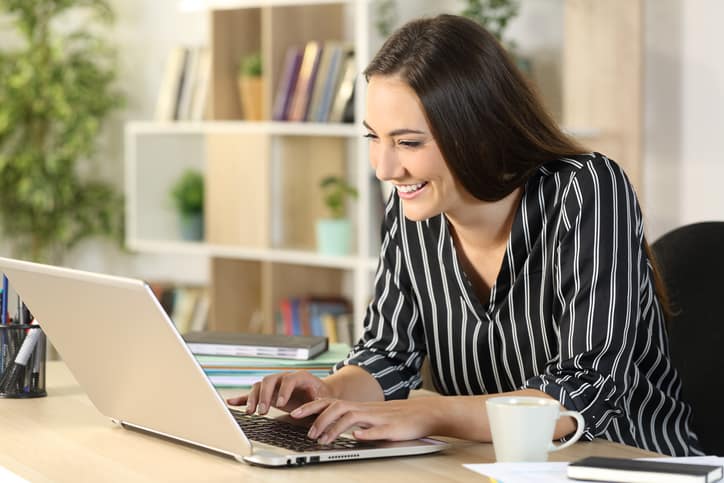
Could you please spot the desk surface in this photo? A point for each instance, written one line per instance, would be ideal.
(62, 437)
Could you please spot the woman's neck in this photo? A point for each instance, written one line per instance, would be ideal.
(484, 224)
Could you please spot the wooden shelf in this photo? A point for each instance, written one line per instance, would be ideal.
(291, 257)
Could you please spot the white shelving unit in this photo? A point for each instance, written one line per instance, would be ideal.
(277, 260)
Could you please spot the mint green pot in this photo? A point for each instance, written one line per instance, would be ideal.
(334, 236)
(192, 227)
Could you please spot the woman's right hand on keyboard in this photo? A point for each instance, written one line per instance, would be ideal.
(285, 391)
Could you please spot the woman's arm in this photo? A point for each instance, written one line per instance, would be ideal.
(463, 417)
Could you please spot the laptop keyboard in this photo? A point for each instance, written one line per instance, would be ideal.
(287, 435)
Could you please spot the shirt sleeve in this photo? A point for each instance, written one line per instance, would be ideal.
(597, 280)
(392, 346)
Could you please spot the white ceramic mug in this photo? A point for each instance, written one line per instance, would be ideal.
(522, 427)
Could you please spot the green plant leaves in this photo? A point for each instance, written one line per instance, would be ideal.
(335, 191)
(55, 92)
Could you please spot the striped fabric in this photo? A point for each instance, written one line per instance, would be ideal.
(573, 312)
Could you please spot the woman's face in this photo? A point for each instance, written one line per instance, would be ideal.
(403, 151)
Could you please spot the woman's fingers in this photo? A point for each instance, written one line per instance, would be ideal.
(348, 420)
(267, 392)
(292, 382)
(333, 417)
(252, 398)
(238, 400)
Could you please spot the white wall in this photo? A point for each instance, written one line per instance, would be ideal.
(684, 113)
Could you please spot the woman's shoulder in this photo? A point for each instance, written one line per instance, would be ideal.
(580, 163)
(583, 170)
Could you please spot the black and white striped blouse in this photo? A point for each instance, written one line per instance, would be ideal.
(572, 313)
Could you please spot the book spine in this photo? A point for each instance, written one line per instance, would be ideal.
(247, 351)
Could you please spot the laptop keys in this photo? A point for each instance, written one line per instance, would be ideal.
(287, 435)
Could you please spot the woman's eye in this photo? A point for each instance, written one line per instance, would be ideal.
(410, 144)
(369, 135)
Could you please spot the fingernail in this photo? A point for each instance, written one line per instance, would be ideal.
(296, 412)
(312, 433)
(262, 408)
(324, 439)
(280, 402)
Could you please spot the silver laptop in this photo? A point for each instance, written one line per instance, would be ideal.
(125, 352)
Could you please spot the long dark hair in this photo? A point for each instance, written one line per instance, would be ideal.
(489, 124)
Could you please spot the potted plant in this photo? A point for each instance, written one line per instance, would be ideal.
(334, 234)
(187, 194)
(57, 90)
(251, 86)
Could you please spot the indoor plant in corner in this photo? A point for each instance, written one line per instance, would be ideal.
(334, 234)
(57, 88)
(187, 194)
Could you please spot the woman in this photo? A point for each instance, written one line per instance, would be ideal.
(510, 258)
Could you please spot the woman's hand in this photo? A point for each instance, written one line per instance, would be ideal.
(285, 391)
(392, 420)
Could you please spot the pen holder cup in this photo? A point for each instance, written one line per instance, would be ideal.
(22, 361)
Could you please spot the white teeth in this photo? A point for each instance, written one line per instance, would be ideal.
(409, 188)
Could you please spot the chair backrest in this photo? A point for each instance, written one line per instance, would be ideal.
(691, 261)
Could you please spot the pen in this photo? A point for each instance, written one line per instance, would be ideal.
(37, 362)
(4, 306)
(16, 370)
(3, 340)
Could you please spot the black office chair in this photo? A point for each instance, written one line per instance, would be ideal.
(691, 261)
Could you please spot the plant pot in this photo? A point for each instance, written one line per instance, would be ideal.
(334, 236)
(251, 93)
(192, 227)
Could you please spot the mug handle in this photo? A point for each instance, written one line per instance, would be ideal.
(580, 426)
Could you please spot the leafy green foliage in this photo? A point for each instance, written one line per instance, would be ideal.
(335, 191)
(55, 92)
(250, 65)
(188, 193)
(493, 15)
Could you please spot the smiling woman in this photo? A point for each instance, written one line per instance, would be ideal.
(511, 258)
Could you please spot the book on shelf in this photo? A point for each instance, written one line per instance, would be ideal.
(183, 91)
(170, 84)
(333, 77)
(326, 80)
(316, 316)
(231, 371)
(305, 81)
(316, 84)
(255, 345)
(199, 99)
(187, 306)
(287, 83)
(597, 468)
(344, 94)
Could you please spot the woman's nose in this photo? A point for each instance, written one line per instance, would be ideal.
(385, 163)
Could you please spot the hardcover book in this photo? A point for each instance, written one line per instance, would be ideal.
(255, 345)
(596, 468)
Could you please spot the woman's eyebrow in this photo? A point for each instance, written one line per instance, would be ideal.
(396, 132)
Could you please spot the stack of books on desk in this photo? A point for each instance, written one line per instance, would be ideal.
(240, 372)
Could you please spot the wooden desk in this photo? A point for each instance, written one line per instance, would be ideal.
(62, 437)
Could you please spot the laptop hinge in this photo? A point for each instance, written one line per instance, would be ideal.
(161, 434)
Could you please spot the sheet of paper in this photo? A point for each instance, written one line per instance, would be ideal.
(546, 472)
(7, 476)
(555, 471)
